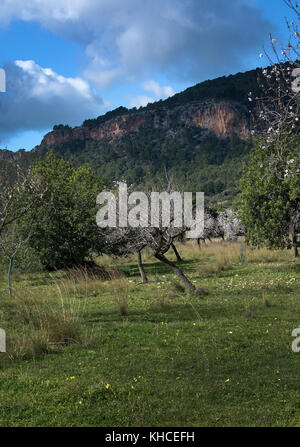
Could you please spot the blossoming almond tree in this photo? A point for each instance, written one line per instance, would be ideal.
(280, 83)
(270, 198)
(159, 239)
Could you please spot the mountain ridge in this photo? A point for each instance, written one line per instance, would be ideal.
(223, 118)
(198, 135)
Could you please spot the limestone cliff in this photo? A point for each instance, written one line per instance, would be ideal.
(223, 118)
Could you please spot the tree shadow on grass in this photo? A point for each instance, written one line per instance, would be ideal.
(156, 317)
(178, 313)
(156, 268)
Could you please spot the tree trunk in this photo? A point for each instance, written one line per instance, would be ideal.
(141, 267)
(178, 257)
(177, 271)
(295, 244)
(181, 239)
(10, 266)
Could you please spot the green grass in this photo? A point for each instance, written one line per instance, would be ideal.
(172, 359)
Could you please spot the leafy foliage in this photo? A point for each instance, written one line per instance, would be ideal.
(63, 227)
(270, 198)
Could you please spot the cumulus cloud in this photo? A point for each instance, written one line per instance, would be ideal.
(153, 87)
(188, 39)
(40, 10)
(157, 90)
(140, 101)
(37, 98)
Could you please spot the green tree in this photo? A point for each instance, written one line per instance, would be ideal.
(16, 199)
(270, 197)
(63, 226)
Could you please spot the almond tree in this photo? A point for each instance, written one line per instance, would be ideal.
(123, 241)
(17, 197)
(11, 243)
(229, 225)
(270, 199)
(279, 102)
(210, 227)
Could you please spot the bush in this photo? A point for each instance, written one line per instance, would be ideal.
(63, 226)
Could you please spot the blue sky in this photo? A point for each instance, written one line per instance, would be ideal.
(79, 58)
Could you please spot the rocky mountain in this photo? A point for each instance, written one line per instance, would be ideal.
(223, 118)
(200, 137)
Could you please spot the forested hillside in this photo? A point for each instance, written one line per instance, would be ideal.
(201, 137)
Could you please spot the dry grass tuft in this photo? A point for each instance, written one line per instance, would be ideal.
(161, 305)
(121, 289)
(265, 300)
(218, 256)
(48, 318)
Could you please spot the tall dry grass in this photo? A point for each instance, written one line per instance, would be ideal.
(51, 315)
(84, 282)
(264, 255)
(111, 278)
(121, 289)
(217, 256)
(44, 321)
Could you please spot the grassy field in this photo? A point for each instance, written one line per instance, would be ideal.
(88, 351)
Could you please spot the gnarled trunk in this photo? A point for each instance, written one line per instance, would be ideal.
(177, 271)
(295, 242)
(11, 260)
(178, 257)
(141, 267)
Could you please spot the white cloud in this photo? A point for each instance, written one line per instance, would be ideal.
(40, 10)
(100, 77)
(48, 84)
(157, 90)
(131, 39)
(140, 101)
(37, 98)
